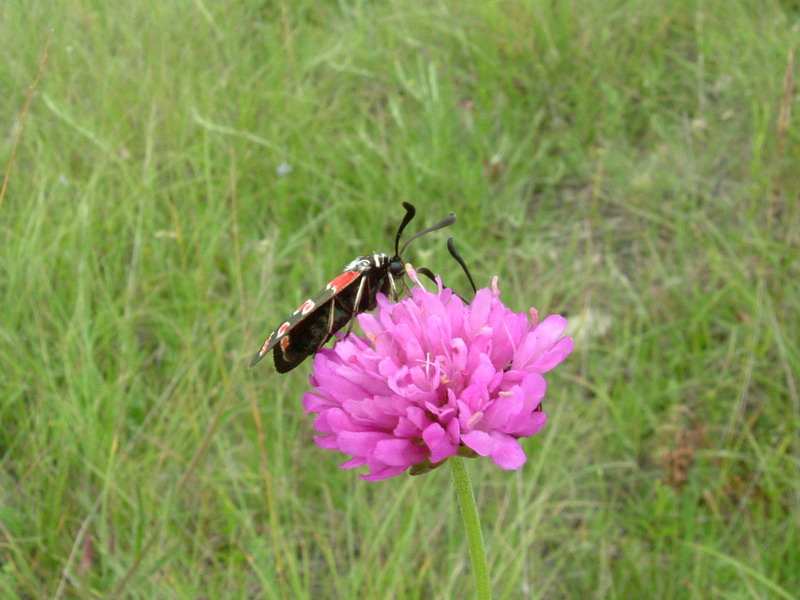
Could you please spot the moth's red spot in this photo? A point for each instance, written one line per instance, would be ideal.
(282, 329)
(285, 343)
(306, 307)
(264, 347)
(343, 281)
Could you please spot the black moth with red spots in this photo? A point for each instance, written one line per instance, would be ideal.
(354, 291)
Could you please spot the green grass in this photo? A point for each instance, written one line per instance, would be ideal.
(625, 163)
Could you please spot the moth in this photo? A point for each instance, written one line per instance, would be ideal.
(353, 291)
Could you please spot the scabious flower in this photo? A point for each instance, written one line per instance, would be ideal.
(433, 378)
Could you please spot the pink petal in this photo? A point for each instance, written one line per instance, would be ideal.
(327, 442)
(399, 452)
(359, 443)
(480, 441)
(528, 426)
(553, 357)
(479, 310)
(504, 408)
(540, 340)
(506, 452)
(378, 473)
(441, 445)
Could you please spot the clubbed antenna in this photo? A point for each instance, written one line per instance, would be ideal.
(440, 225)
(451, 247)
(410, 212)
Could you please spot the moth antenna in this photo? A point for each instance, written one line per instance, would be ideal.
(441, 224)
(427, 272)
(451, 247)
(410, 212)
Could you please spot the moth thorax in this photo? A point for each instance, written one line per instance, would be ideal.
(367, 262)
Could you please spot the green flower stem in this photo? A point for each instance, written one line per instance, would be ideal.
(472, 524)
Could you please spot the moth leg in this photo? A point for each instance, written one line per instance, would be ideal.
(404, 285)
(392, 287)
(356, 304)
(331, 318)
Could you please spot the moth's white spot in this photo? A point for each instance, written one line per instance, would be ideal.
(305, 308)
(282, 329)
(366, 262)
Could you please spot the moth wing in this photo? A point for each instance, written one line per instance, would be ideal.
(309, 335)
(308, 310)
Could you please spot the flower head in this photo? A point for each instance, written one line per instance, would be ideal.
(435, 377)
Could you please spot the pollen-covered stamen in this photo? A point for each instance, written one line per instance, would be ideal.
(428, 363)
(412, 275)
(476, 418)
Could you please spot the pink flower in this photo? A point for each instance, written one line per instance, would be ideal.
(433, 378)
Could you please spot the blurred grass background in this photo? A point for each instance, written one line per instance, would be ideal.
(631, 164)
